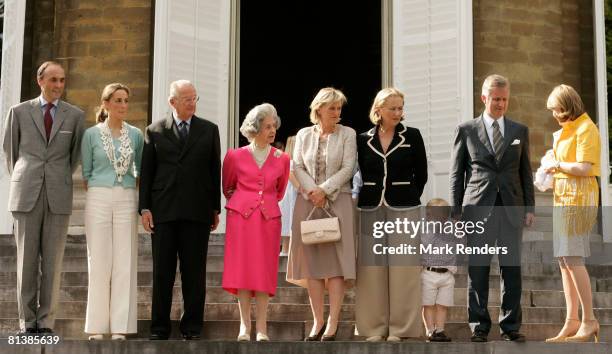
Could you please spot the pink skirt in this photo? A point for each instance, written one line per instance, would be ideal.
(252, 246)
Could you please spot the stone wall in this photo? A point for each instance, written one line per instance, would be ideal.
(98, 42)
(537, 44)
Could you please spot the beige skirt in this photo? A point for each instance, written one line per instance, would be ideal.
(324, 260)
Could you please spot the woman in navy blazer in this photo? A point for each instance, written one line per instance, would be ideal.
(393, 167)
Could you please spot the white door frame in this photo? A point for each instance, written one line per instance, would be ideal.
(601, 82)
(10, 89)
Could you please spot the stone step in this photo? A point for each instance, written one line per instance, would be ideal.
(298, 295)
(300, 312)
(282, 347)
(144, 279)
(79, 278)
(214, 263)
(220, 333)
(534, 253)
(80, 250)
(143, 237)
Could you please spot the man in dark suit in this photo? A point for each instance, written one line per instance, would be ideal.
(491, 181)
(180, 200)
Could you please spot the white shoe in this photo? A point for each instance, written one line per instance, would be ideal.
(244, 337)
(96, 337)
(374, 339)
(262, 337)
(393, 339)
(118, 337)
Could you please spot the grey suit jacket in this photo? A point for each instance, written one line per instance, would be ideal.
(476, 178)
(32, 162)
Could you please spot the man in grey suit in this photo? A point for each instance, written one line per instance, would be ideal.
(41, 141)
(491, 181)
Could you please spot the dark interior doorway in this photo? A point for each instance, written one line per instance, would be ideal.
(291, 49)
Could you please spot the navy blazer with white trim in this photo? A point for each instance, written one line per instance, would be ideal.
(395, 178)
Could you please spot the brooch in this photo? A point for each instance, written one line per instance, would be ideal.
(278, 153)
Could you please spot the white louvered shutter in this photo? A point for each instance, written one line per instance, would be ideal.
(192, 39)
(432, 65)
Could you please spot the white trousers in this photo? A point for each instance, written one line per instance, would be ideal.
(112, 252)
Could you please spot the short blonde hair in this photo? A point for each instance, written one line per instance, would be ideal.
(494, 81)
(381, 98)
(325, 96)
(437, 202)
(565, 99)
(438, 207)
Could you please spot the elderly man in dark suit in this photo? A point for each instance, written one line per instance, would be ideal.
(491, 180)
(42, 144)
(180, 200)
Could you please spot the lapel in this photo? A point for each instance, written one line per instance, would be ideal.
(171, 131)
(196, 129)
(509, 133)
(396, 142)
(58, 120)
(483, 136)
(37, 117)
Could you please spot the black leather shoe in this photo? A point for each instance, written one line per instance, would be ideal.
(316, 337)
(191, 336)
(479, 337)
(513, 336)
(439, 337)
(27, 332)
(158, 336)
(329, 338)
(45, 330)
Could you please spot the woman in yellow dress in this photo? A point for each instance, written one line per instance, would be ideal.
(576, 196)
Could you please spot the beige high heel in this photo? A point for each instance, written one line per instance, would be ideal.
(262, 337)
(560, 338)
(244, 337)
(592, 330)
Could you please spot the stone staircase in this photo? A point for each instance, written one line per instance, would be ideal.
(289, 312)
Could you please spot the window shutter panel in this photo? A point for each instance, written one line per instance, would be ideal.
(430, 60)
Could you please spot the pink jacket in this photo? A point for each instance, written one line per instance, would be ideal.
(247, 187)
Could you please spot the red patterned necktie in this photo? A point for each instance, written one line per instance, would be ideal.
(48, 119)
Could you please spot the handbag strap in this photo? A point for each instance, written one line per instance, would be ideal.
(313, 209)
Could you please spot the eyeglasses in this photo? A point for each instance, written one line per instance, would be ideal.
(190, 99)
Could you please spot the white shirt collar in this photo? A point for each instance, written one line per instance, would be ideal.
(178, 121)
(489, 121)
(44, 102)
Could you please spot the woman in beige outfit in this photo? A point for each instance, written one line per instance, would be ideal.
(393, 166)
(324, 158)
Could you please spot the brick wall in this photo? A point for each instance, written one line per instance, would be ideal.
(537, 44)
(98, 42)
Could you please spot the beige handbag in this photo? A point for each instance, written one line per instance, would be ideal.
(320, 230)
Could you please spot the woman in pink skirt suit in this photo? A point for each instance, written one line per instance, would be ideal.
(254, 181)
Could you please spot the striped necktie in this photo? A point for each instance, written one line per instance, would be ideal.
(498, 141)
(183, 132)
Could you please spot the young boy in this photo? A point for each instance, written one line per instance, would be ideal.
(437, 276)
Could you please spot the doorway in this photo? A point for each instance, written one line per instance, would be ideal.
(291, 49)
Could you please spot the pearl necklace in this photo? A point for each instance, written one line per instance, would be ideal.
(121, 165)
(260, 154)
